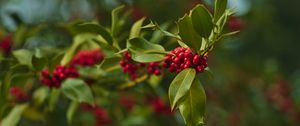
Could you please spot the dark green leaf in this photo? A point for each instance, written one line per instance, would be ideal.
(39, 63)
(77, 90)
(193, 107)
(180, 86)
(220, 7)
(136, 28)
(14, 116)
(96, 29)
(202, 21)
(188, 34)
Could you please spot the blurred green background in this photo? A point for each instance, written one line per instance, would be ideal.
(256, 75)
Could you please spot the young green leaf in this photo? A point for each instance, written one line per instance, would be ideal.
(220, 7)
(14, 116)
(188, 34)
(193, 107)
(71, 110)
(115, 28)
(96, 29)
(77, 90)
(180, 86)
(136, 28)
(202, 21)
(23, 56)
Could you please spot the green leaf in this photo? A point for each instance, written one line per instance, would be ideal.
(136, 28)
(146, 57)
(141, 45)
(54, 96)
(23, 56)
(144, 51)
(71, 110)
(193, 107)
(39, 63)
(180, 86)
(115, 28)
(17, 69)
(14, 116)
(96, 29)
(40, 95)
(202, 21)
(188, 34)
(110, 63)
(220, 7)
(77, 90)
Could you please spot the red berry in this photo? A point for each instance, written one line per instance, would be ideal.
(157, 72)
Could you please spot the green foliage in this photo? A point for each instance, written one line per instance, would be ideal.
(180, 86)
(220, 7)
(77, 90)
(202, 21)
(14, 116)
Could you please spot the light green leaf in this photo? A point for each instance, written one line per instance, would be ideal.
(71, 110)
(77, 90)
(40, 95)
(193, 107)
(96, 29)
(54, 96)
(23, 56)
(115, 28)
(202, 21)
(180, 86)
(136, 28)
(220, 7)
(188, 34)
(146, 57)
(14, 116)
(144, 51)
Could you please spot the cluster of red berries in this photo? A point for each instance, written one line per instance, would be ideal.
(88, 57)
(59, 74)
(183, 58)
(101, 115)
(154, 68)
(18, 94)
(5, 44)
(129, 66)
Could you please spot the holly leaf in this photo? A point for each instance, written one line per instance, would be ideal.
(23, 56)
(71, 111)
(180, 86)
(220, 7)
(136, 28)
(14, 115)
(95, 29)
(202, 21)
(39, 63)
(116, 25)
(144, 51)
(77, 90)
(193, 107)
(188, 34)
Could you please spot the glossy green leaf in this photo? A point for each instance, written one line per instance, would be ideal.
(115, 28)
(136, 28)
(146, 57)
(14, 116)
(193, 106)
(220, 7)
(77, 90)
(71, 110)
(23, 56)
(141, 45)
(144, 51)
(202, 21)
(96, 29)
(180, 86)
(188, 34)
